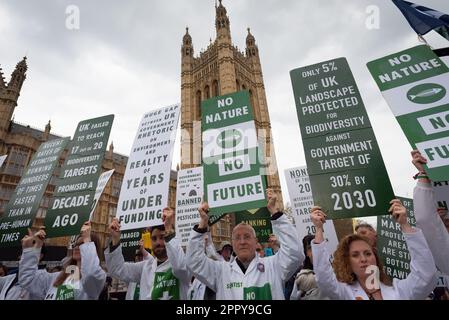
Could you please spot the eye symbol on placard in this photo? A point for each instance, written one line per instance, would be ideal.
(229, 138)
(426, 93)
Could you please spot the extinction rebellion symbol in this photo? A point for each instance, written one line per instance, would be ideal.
(426, 93)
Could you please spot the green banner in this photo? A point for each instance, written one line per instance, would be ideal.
(232, 177)
(259, 219)
(75, 189)
(415, 83)
(346, 169)
(391, 244)
(24, 203)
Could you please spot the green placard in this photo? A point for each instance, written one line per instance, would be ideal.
(259, 219)
(232, 177)
(415, 83)
(25, 201)
(346, 169)
(391, 244)
(75, 188)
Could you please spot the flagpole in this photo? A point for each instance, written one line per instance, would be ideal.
(442, 52)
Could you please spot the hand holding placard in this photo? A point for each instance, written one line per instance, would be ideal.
(399, 213)
(204, 215)
(271, 204)
(318, 218)
(86, 232)
(168, 218)
(114, 230)
(33, 240)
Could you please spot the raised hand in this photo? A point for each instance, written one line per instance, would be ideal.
(418, 161)
(399, 213)
(204, 215)
(86, 230)
(168, 217)
(33, 240)
(114, 230)
(318, 217)
(28, 240)
(271, 201)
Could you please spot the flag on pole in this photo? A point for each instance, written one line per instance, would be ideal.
(423, 19)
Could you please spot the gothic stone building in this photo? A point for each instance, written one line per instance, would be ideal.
(20, 142)
(222, 69)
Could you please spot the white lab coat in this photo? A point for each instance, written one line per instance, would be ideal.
(16, 292)
(417, 286)
(131, 293)
(428, 220)
(40, 283)
(144, 272)
(228, 280)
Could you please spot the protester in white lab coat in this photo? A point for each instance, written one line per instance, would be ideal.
(356, 264)
(133, 292)
(11, 289)
(430, 218)
(163, 277)
(197, 289)
(248, 276)
(82, 277)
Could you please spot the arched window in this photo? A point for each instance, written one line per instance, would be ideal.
(237, 84)
(206, 92)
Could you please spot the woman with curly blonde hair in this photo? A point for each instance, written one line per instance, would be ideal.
(357, 272)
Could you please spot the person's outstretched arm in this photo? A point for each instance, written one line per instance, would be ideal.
(325, 276)
(36, 282)
(93, 276)
(117, 267)
(422, 278)
(290, 255)
(175, 253)
(427, 217)
(203, 268)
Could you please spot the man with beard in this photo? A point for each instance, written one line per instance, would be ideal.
(162, 277)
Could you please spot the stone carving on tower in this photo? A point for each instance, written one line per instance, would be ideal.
(218, 70)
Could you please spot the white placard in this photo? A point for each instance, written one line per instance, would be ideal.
(145, 187)
(102, 182)
(300, 192)
(189, 194)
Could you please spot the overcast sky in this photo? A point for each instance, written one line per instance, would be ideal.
(125, 59)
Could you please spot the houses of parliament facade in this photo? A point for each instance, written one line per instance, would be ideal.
(220, 69)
